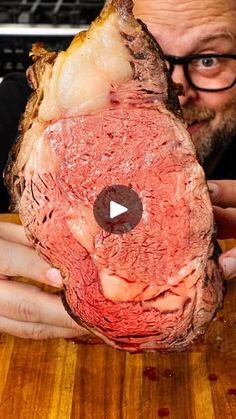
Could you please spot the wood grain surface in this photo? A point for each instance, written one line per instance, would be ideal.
(59, 379)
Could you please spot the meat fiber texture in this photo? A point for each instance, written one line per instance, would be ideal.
(104, 112)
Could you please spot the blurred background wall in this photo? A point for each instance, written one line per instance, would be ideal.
(54, 23)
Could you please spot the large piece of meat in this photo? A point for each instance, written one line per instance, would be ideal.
(104, 112)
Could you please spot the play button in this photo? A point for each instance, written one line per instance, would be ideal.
(117, 209)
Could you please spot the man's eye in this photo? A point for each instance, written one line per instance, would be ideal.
(207, 62)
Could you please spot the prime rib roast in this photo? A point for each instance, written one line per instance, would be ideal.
(105, 112)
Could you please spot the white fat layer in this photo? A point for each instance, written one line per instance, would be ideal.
(116, 288)
(192, 270)
(85, 74)
(41, 157)
(83, 227)
(31, 145)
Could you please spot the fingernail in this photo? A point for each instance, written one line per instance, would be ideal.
(213, 189)
(54, 277)
(229, 267)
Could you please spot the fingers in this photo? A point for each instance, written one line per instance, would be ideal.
(25, 302)
(223, 196)
(228, 263)
(223, 192)
(14, 233)
(36, 331)
(27, 311)
(226, 222)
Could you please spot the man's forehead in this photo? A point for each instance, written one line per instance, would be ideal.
(182, 12)
(184, 27)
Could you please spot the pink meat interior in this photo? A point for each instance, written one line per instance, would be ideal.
(146, 288)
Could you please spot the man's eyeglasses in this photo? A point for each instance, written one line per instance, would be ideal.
(206, 72)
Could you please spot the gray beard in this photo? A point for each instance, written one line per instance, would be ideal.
(210, 145)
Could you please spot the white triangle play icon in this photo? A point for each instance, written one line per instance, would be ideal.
(116, 209)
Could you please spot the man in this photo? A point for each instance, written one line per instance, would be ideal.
(183, 29)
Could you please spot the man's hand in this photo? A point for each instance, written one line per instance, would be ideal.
(223, 196)
(26, 310)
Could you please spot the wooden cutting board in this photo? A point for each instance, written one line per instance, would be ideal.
(59, 379)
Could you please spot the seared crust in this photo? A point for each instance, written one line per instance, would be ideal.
(174, 89)
(13, 181)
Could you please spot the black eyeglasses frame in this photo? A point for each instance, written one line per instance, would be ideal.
(174, 60)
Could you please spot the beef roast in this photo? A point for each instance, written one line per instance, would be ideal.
(105, 112)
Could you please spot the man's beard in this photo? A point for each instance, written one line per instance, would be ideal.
(211, 142)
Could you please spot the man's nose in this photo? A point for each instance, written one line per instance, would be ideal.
(190, 94)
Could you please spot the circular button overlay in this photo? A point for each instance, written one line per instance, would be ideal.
(117, 209)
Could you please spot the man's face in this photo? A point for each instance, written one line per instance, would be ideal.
(184, 27)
